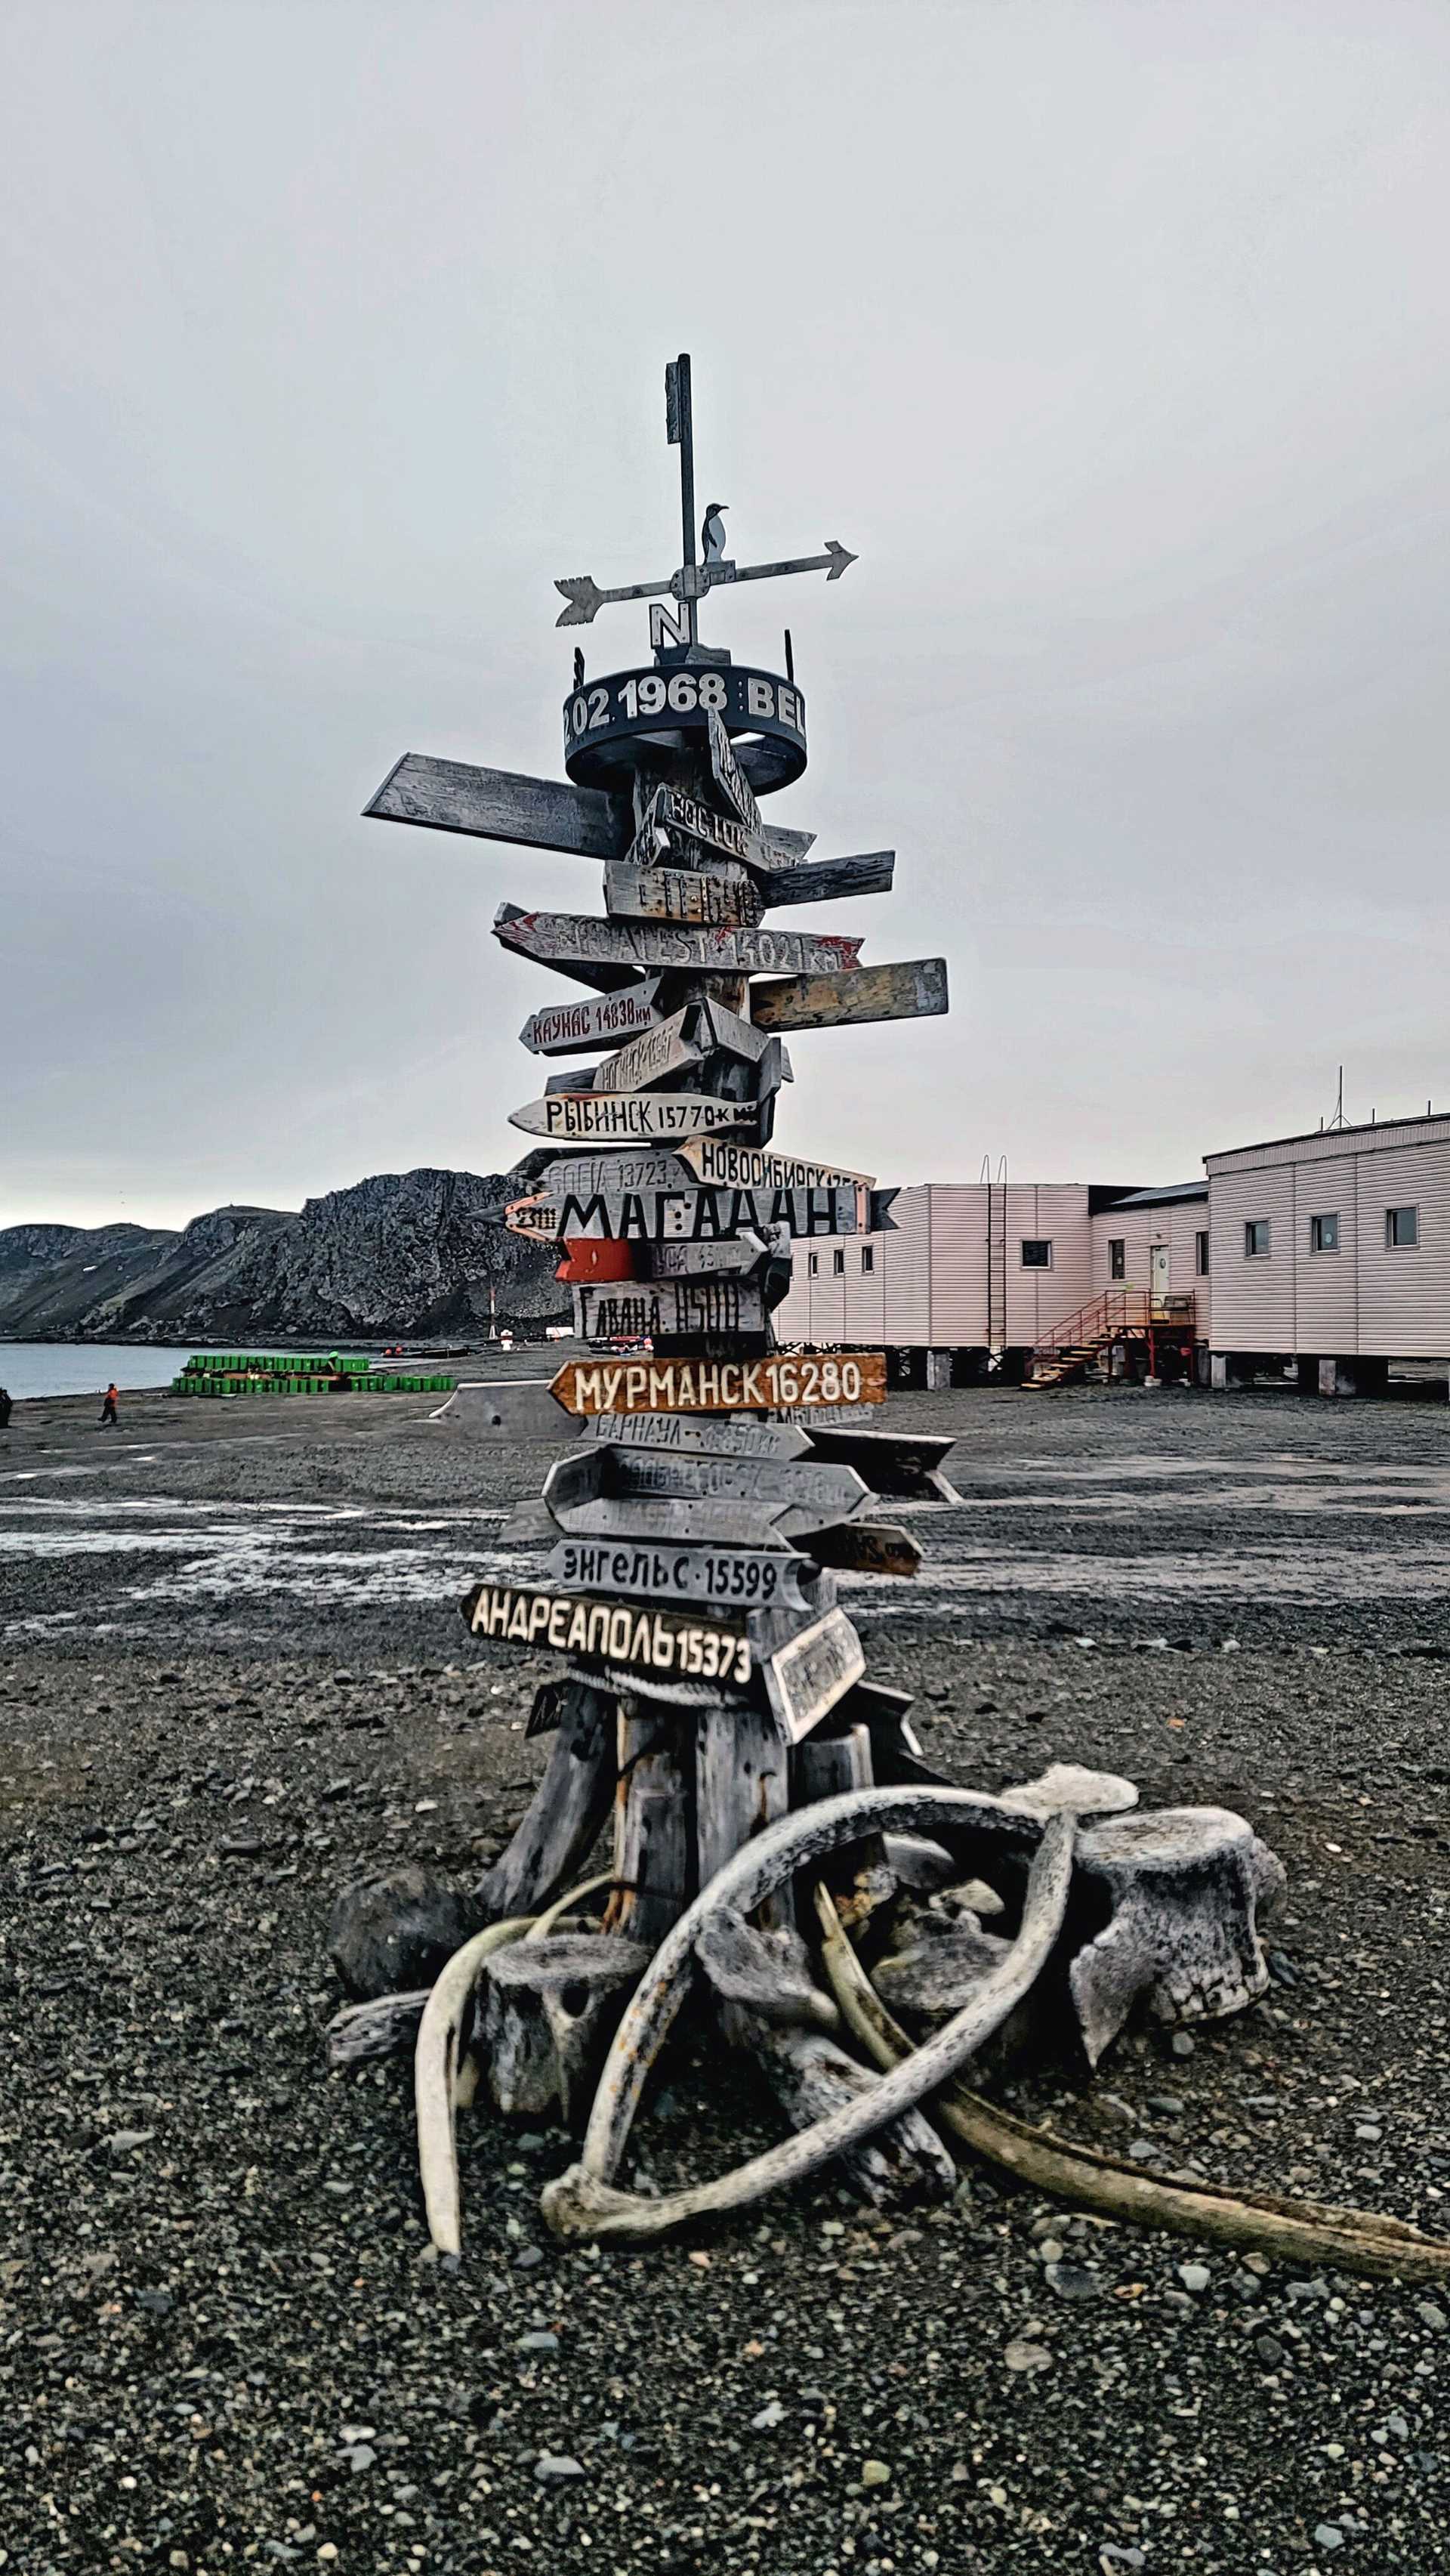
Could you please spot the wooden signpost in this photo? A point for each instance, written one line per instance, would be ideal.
(721, 1386)
(717, 1578)
(673, 1046)
(624, 1117)
(610, 953)
(694, 1532)
(639, 1310)
(722, 897)
(653, 1642)
(569, 1028)
(685, 1215)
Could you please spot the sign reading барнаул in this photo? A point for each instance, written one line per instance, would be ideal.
(721, 1386)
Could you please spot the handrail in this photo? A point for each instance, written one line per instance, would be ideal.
(1117, 1310)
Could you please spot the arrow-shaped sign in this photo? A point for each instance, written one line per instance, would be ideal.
(585, 597)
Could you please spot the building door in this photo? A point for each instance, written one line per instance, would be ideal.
(1158, 1272)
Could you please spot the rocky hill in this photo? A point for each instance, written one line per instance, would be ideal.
(406, 1253)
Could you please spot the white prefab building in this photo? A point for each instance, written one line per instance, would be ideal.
(978, 1268)
(1332, 1250)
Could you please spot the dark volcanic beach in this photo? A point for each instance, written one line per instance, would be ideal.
(234, 1677)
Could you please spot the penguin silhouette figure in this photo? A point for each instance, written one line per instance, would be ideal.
(578, 668)
(712, 534)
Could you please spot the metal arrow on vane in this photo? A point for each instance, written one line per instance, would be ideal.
(585, 597)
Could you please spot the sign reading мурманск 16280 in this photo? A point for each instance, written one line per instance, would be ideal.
(784, 1380)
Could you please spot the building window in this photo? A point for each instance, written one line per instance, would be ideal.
(813, 1265)
(1402, 1226)
(1324, 1234)
(1200, 1253)
(1256, 1239)
(838, 1264)
(1117, 1256)
(868, 1256)
(1036, 1253)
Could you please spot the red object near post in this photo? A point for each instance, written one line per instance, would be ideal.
(585, 1260)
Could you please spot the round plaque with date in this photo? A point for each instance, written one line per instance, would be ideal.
(607, 721)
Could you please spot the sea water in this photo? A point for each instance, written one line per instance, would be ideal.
(86, 1368)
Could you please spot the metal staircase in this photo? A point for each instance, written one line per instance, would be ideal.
(1064, 1356)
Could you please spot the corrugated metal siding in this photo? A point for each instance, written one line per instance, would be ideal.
(1253, 1301)
(1326, 1283)
(958, 1266)
(1404, 1295)
(1365, 1300)
(1038, 1300)
(1334, 1142)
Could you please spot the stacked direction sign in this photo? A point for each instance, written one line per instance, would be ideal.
(686, 1551)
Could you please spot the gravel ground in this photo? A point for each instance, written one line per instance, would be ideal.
(233, 1677)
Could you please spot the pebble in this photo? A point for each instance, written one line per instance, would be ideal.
(1021, 2355)
(360, 2457)
(1431, 2316)
(875, 2473)
(770, 2415)
(1181, 2044)
(1073, 2281)
(121, 2141)
(1195, 2277)
(1327, 2535)
(541, 2342)
(552, 2466)
(1169, 2106)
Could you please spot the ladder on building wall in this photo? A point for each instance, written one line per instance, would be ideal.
(996, 1256)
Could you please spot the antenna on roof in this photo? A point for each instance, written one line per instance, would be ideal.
(1338, 1119)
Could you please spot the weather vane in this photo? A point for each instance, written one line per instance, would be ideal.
(607, 724)
(680, 636)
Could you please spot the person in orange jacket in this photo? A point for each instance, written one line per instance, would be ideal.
(108, 1409)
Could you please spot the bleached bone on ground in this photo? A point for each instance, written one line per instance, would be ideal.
(583, 2203)
(1292, 2231)
(547, 2010)
(1185, 1885)
(1069, 1784)
(918, 1864)
(442, 2039)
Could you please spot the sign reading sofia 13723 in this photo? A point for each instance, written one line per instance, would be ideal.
(605, 721)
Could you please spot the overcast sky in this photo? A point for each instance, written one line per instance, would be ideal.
(1112, 338)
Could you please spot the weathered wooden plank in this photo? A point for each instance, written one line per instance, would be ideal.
(694, 827)
(725, 1030)
(826, 880)
(723, 897)
(568, 1028)
(734, 1259)
(721, 1386)
(804, 1679)
(625, 1117)
(695, 1215)
(742, 1784)
(916, 990)
(653, 1863)
(892, 1462)
(675, 1046)
(505, 805)
(746, 1167)
(629, 1639)
(662, 1476)
(566, 1812)
(637, 1310)
(624, 1174)
(720, 1578)
(862, 1546)
(609, 953)
(704, 1523)
(704, 1434)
